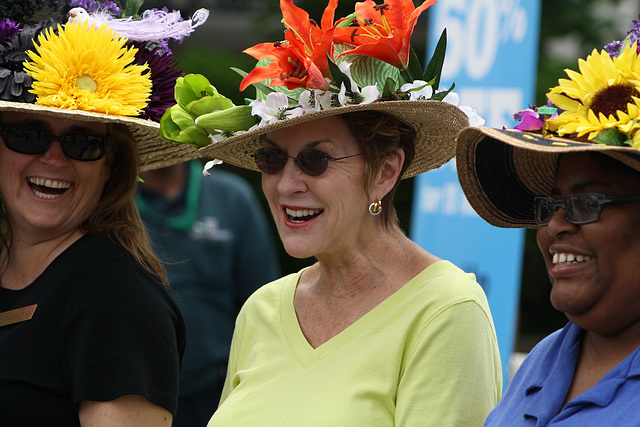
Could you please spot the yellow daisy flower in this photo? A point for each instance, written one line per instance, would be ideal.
(88, 68)
(604, 95)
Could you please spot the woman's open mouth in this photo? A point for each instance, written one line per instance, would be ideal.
(302, 215)
(47, 188)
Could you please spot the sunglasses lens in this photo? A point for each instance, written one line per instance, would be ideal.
(25, 140)
(582, 208)
(84, 147)
(544, 210)
(270, 160)
(312, 162)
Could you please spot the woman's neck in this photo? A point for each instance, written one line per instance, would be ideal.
(28, 258)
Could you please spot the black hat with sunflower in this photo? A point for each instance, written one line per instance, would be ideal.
(597, 109)
(90, 60)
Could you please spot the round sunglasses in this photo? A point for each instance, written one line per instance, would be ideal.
(580, 208)
(27, 140)
(311, 161)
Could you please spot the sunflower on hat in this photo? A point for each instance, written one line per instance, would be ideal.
(88, 68)
(600, 103)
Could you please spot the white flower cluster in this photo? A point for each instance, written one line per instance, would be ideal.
(276, 106)
(420, 90)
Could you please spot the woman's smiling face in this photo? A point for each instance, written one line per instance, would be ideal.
(323, 214)
(50, 193)
(594, 268)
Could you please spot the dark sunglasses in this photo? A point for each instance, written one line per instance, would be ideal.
(578, 208)
(27, 140)
(310, 161)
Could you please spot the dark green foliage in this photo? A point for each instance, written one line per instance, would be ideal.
(24, 10)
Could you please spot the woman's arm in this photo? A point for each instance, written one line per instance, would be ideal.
(131, 410)
(453, 374)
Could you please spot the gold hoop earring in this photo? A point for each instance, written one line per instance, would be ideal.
(375, 208)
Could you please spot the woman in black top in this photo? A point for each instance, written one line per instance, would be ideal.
(89, 334)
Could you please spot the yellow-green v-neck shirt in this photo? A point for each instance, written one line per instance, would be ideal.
(425, 356)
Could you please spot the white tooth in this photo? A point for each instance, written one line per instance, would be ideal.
(555, 258)
(579, 258)
(48, 183)
(587, 258)
(570, 257)
(562, 258)
(45, 196)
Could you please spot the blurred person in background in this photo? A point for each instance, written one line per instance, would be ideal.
(213, 235)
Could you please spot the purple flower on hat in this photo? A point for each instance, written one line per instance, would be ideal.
(164, 73)
(633, 35)
(92, 6)
(533, 118)
(23, 10)
(8, 29)
(530, 121)
(14, 81)
(613, 48)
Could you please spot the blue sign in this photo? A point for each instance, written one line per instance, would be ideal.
(492, 58)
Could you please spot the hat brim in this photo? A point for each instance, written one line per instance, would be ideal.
(501, 171)
(436, 124)
(154, 151)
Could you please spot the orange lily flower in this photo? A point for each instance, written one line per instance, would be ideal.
(384, 30)
(300, 60)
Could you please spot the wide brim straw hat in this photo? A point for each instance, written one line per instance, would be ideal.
(154, 151)
(502, 170)
(436, 124)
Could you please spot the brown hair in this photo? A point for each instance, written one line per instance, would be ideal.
(116, 214)
(379, 135)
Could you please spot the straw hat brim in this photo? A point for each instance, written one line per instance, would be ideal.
(154, 151)
(436, 124)
(501, 171)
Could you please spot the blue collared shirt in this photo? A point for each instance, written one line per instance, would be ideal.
(536, 392)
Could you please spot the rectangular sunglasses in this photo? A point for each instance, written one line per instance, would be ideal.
(581, 208)
(27, 140)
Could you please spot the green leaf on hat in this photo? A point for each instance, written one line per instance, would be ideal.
(441, 95)
(390, 87)
(612, 137)
(434, 68)
(338, 76)
(368, 71)
(131, 8)
(415, 69)
(178, 126)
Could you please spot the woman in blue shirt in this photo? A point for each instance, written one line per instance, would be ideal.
(574, 174)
